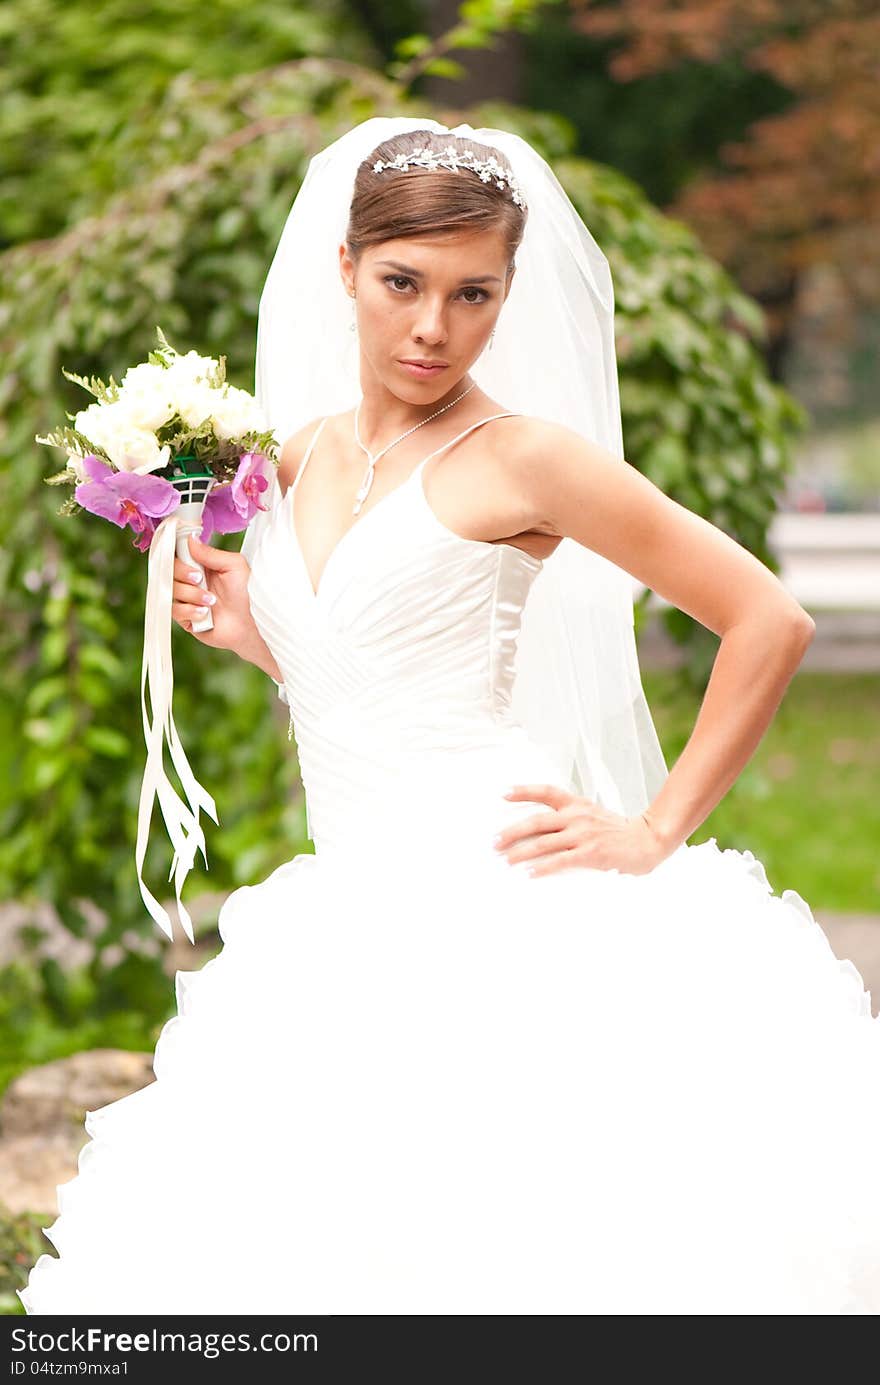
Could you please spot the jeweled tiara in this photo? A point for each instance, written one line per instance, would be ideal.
(450, 157)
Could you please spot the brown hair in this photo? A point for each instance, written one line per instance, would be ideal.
(426, 201)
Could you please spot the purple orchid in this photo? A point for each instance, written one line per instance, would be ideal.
(231, 508)
(126, 498)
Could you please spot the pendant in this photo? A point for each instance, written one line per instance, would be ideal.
(364, 489)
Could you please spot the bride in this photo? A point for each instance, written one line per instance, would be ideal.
(505, 1043)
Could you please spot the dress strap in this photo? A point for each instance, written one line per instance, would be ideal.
(308, 453)
(462, 434)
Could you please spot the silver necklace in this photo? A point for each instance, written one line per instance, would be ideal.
(366, 483)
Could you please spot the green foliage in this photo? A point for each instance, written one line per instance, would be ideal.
(76, 77)
(701, 418)
(74, 593)
(21, 1241)
(49, 1012)
(187, 244)
(419, 54)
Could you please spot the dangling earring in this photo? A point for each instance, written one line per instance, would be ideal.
(491, 339)
(352, 326)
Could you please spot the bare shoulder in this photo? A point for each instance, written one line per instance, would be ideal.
(293, 451)
(585, 492)
(526, 438)
(514, 439)
(577, 485)
(523, 445)
(536, 438)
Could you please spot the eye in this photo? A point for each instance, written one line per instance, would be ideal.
(474, 289)
(392, 279)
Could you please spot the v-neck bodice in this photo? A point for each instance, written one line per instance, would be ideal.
(413, 479)
(401, 661)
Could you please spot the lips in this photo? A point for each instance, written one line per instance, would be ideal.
(423, 368)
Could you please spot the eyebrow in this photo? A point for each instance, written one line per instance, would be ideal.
(417, 273)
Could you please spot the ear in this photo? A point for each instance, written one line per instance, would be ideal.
(510, 274)
(346, 268)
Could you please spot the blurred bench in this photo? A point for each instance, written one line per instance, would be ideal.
(831, 564)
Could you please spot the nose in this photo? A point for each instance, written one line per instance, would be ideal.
(429, 325)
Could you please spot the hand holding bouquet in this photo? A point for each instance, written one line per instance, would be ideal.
(171, 451)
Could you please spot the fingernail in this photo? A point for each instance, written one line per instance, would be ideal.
(496, 841)
(194, 576)
(208, 598)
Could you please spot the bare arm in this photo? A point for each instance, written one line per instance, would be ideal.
(585, 493)
(255, 650)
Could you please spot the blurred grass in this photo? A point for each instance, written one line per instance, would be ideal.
(21, 1242)
(807, 802)
(31, 1034)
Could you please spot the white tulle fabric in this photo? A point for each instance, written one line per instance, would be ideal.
(578, 686)
(417, 1080)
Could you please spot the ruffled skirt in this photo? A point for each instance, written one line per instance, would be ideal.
(422, 1082)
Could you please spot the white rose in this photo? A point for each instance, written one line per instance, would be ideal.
(94, 422)
(190, 368)
(194, 401)
(235, 413)
(115, 430)
(147, 396)
(103, 424)
(136, 450)
(138, 376)
(151, 411)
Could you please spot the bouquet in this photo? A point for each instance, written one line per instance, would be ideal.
(171, 450)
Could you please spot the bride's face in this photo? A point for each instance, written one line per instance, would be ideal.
(427, 298)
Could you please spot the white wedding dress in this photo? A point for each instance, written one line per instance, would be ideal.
(417, 1080)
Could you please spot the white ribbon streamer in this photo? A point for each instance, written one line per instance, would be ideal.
(181, 821)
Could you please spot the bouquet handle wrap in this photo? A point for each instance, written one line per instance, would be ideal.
(181, 818)
(189, 521)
